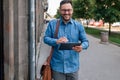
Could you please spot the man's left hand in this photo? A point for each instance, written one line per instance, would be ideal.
(77, 48)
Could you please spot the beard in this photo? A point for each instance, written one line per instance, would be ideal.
(66, 18)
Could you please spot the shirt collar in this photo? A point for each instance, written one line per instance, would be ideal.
(70, 21)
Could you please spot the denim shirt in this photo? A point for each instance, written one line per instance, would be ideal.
(65, 61)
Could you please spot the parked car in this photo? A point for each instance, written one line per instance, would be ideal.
(96, 23)
(91, 23)
(116, 24)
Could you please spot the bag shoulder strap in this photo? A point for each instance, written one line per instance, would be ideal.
(55, 36)
(57, 29)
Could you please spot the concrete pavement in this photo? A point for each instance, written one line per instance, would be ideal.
(98, 62)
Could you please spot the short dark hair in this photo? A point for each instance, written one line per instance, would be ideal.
(65, 1)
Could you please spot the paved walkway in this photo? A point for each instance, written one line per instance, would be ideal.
(98, 62)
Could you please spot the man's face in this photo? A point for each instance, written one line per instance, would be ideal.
(66, 11)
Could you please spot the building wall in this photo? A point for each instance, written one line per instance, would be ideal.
(16, 37)
(39, 19)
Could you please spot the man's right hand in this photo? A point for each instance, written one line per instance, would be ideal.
(62, 40)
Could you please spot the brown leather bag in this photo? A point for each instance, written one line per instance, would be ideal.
(45, 72)
(46, 69)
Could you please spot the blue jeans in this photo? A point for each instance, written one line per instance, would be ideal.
(64, 76)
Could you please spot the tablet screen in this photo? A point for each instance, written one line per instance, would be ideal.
(68, 46)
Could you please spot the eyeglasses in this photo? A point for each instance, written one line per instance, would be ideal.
(66, 10)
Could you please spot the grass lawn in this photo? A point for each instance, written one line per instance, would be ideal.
(113, 37)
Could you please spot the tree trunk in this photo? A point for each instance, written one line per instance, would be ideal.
(109, 28)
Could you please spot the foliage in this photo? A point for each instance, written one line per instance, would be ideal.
(57, 15)
(82, 9)
(107, 10)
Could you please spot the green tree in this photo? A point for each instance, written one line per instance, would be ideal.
(57, 14)
(82, 9)
(107, 10)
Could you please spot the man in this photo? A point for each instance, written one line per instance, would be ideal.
(65, 63)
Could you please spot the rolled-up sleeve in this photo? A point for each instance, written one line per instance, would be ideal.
(83, 37)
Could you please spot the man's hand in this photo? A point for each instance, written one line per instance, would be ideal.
(62, 40)
(77, 48)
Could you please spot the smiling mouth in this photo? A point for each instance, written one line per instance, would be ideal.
(66, 15)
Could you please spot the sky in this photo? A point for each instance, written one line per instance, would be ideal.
(53, 5)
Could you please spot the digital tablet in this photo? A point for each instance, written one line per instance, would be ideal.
(68, 46)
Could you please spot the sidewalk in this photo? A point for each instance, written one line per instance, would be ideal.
(98, 62)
